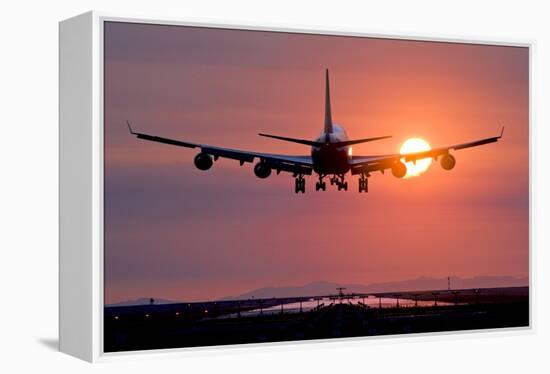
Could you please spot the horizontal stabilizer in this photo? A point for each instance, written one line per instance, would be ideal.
(293, 140)
(331, 144)
(358, 141)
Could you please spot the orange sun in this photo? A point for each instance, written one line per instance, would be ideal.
(414, 145)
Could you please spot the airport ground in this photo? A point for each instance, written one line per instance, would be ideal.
(226, 322)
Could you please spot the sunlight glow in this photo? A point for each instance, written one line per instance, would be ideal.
(416, 145)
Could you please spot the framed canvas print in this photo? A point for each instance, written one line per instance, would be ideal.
(229, 184)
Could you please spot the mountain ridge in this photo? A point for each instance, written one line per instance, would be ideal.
(317, 288)
(143, 301)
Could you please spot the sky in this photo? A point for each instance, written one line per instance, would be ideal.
(175, 232)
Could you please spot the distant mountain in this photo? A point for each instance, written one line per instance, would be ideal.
(419, 284)
(143, 301)
(310, 289)
(328, 288)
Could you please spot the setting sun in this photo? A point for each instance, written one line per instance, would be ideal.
(416, 145)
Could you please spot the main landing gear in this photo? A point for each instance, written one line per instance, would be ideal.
(300, 184)
(363, 183)
(343, 186)
(320, 185)
(339, 181)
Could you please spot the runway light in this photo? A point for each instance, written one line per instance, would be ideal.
(147, 316)
(206, 311)
(177, 313)
(116, 317)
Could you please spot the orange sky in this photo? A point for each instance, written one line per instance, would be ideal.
(172, 231)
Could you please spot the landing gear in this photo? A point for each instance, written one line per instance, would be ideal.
(300, 184)
(363, 184)
(343, 186)
(333, 180)
(320, 185)
(340, 183)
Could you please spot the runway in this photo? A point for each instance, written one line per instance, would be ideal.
(230, 322)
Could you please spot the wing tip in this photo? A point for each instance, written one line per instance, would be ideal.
(130, 127)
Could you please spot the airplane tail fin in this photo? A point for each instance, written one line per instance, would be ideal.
(328, 114)
(328, 127)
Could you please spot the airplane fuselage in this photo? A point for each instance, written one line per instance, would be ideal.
(330, 159)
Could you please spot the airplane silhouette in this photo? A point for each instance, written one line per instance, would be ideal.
(330, 155)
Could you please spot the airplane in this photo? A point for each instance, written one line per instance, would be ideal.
(330, 156)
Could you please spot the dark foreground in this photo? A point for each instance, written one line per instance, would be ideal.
(196, 324)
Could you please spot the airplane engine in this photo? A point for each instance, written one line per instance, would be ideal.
(399, 169)
(262, 170)
(448, 162)
(203, 161)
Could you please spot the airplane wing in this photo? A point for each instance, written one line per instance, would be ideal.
(288, 163)
(367, 164)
